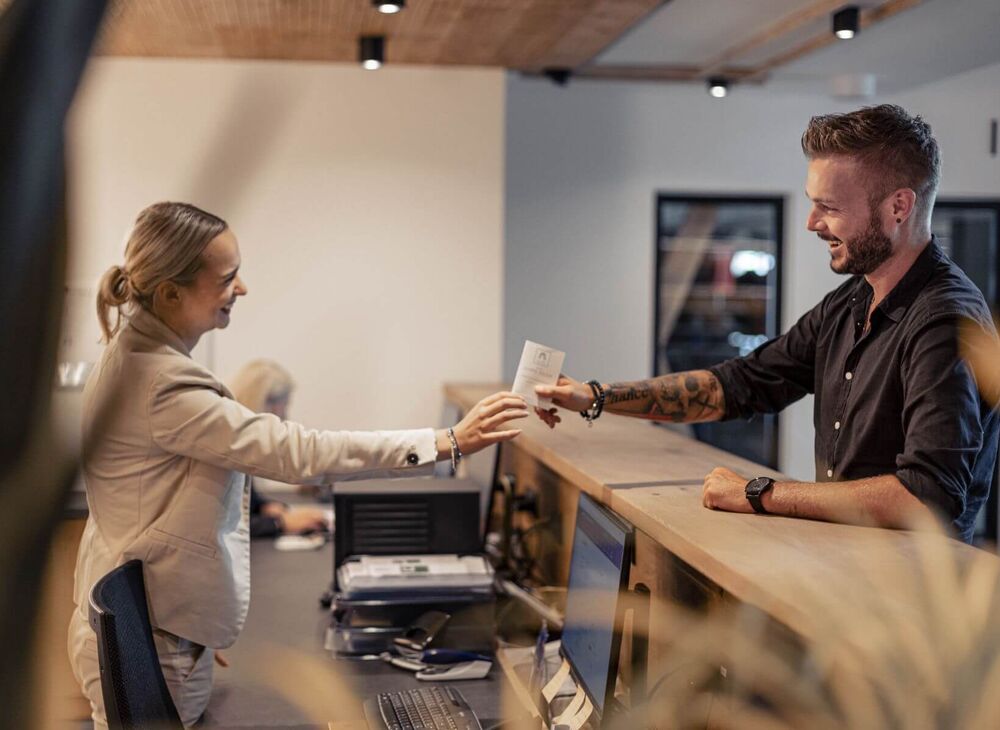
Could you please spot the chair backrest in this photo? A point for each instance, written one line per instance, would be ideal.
(135, 693)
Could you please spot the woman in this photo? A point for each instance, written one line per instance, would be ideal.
(264, 386)
(169, 451)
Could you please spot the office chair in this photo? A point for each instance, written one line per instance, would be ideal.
(135, 693)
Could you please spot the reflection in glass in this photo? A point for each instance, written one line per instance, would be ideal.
(969, 232)
(717, 296)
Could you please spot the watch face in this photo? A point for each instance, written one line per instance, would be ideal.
(757, 486)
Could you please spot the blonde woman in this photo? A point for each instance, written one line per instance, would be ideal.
(264, 386)
(166, 473)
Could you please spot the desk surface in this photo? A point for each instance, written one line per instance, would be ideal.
(653, 476)
(285, 611)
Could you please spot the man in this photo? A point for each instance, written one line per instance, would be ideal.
(901, 430)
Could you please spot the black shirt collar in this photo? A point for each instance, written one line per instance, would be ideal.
(898, 300)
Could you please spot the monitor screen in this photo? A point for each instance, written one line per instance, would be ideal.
(598, 572)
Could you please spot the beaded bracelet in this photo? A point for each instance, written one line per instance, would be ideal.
(598, 406)
(456, 453)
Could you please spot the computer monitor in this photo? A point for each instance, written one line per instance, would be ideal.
(598, 577)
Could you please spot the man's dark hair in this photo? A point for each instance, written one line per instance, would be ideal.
(897, 150)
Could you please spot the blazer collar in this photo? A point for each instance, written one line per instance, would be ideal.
(144, 321)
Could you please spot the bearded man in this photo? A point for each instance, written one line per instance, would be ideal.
(901, 429)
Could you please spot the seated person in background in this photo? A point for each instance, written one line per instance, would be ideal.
(264, 386)
(901, 428)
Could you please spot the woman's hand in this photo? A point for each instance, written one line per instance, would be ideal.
(296, 521)
(484, 424)
(566, 393)
(303, 519)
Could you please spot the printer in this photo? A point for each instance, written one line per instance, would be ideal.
(403, 548)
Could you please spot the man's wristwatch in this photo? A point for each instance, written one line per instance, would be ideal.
(755, 490)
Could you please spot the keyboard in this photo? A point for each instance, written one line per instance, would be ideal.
(441, 707)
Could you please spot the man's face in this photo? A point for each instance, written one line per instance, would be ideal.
(843, 216)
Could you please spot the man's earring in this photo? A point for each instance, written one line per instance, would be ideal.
(899, 220)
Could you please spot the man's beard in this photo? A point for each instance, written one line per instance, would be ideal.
(866, 251)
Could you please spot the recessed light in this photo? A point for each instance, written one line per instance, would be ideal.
(389, 7)
(718, 87)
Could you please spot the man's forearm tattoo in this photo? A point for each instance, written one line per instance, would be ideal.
(681, 398)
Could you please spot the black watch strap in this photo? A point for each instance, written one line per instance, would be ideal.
(755, 490)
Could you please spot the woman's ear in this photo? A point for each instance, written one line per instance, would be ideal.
(167, 295)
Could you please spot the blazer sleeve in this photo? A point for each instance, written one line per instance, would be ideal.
(191, 415)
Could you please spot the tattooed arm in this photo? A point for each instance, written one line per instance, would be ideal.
(692, 397)
(689, 397)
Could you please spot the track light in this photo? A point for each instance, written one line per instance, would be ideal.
(389, 6)
(845, 22)
(718, 87)
(558, 76)
(372, 51)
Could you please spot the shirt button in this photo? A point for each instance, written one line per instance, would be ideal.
(848, 375)
(412, 459)
(829, 472)
(836, 426)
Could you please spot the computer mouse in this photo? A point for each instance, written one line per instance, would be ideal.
(452, 672)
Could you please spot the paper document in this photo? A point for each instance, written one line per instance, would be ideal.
(540, 365)
(415, 573)
(418, 565)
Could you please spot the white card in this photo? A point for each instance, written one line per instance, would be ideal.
(540, 365)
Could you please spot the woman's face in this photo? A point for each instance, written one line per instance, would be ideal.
(207, 303)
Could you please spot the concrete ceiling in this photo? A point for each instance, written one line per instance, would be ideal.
(931, 41)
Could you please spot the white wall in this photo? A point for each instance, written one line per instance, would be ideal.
(959, 110)
(584, 164)
(368, 207)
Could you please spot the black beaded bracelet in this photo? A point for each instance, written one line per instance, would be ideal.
(598, 405)
(456, 453)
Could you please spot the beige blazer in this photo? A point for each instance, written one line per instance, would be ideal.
(167, 483)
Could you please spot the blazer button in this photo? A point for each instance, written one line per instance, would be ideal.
(412, 459)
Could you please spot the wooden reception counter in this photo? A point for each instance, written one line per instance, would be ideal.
(653, 476)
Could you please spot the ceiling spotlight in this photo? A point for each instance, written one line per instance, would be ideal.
(718, 87)
(372, 51)
(845, 22)
(389, 7)
(558, 76)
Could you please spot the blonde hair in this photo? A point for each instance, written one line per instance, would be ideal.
(259, 381)
(165, 244)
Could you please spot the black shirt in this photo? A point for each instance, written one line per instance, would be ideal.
(897, 400)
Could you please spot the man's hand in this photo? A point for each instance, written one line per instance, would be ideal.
(725, 490)
(566, 393)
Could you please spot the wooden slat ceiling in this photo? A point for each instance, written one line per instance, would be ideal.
(526, 35)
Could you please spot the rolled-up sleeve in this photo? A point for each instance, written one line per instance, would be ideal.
(776, 374)
(941, 416)
(190, 417)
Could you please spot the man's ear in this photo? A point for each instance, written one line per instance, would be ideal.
(902, 203)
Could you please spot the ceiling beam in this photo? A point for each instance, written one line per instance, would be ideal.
(869, 18)
(791, 22)
(627, 72)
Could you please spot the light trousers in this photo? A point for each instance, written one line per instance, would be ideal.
(187, 669)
